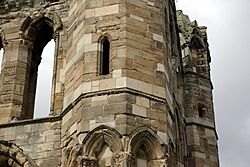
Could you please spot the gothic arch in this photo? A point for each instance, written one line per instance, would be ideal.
(27, 27)
(148, 142)
(96, 144)
(104, 55)
(35, 32)
(95, 139)
(14, 156)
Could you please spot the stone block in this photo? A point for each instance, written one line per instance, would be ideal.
(139, 110)
(99, 100)
(106, 84)
(121, 82)
(142, 101)
(117, 73)
(107, 10)
(112, 109)
(67, 117)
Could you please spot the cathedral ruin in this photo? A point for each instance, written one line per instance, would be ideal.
(131, 85)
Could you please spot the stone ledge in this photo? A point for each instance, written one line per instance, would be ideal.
(109, 92)
(201, 122)
(198, 122)
(31, 121)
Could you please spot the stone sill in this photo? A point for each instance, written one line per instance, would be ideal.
(31, 121)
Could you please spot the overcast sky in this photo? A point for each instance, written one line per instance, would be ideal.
(228, 23)
(42, 105)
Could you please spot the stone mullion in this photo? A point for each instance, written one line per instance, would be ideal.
(23, 73)
(53, 89)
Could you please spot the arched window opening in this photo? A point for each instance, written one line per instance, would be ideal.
(44, 81)
(41, 34)
(146, 149)
(105, 56)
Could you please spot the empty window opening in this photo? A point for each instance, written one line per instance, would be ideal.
(202, 111)
(105, 56)
(44, 81)
(41, 34)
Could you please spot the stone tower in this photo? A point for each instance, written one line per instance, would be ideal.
(197, 94)
(125, 93)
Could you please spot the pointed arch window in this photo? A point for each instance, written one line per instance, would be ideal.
(40, 33)
(105, 56)
(146, 149)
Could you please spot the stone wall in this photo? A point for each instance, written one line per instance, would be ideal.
(39, 139)
(141, 111)
(198, 98)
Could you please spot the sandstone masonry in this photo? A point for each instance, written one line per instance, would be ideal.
(131, 85)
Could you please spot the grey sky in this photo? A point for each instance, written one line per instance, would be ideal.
(42, 105)
(228, 23)
(44, 82)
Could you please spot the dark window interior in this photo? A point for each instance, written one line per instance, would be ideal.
(4, 161)
(105, 57)
(202, 110)
(1, 43)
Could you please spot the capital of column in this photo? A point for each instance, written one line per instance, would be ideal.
(121, 158)
(84, 161)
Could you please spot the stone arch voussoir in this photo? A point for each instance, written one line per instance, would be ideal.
(15, 155)
(145, 135)
(53, 19)
(95, 139)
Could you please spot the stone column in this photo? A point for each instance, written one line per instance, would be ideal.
(53, 91)
(16, 65)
